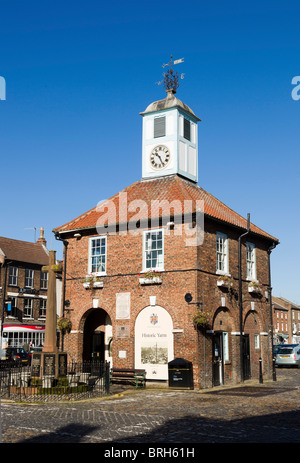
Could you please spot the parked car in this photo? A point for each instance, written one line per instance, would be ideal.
(288, 355)
(16, 354)
(276, 349)
(280, 346)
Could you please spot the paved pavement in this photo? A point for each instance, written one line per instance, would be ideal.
(251, 413)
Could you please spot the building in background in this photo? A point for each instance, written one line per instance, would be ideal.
(286, 321)
(23, 291)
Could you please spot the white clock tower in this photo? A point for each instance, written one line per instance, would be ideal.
(170, 139)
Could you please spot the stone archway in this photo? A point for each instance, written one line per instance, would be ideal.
(97, 335)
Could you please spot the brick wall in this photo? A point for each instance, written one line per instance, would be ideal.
(188, 269)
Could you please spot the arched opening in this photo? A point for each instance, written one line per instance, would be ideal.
(97, 336)
(252, 329)
(221, 345)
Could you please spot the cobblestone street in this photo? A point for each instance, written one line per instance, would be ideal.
(251, 413)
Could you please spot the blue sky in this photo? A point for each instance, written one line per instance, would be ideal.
(79, 73)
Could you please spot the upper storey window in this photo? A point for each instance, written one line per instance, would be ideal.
(97, 255)
(153, 250)
(29, 278)
(159, 126)
(13, 276)
(251, 261)
(222, 253)
(44, 280)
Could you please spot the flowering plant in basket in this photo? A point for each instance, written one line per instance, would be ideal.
(64, 325)
(149, 275)
(201, 319)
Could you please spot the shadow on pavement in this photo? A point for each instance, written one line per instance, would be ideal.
(72, 433)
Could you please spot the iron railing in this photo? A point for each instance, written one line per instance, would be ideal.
(81, 380)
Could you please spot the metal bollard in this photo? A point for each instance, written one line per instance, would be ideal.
(274, 370)
(260, 371)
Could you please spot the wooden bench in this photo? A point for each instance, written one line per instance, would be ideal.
(128, 374)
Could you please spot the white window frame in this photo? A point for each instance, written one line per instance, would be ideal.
(43, 308)
(250, 261)
(225, 346)
(44, 281)
(13, 273)
(102, 238)
(29, 278)
(146, 238)
(29, 308)
(256, 341)
(222, 254)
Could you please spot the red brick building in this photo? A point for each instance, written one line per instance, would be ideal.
(134, 317)
(286, 321)
(23, 291)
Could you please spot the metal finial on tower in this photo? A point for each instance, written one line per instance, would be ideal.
(171, 77)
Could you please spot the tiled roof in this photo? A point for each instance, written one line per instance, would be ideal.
(171, 188)
(282, 303)
(23, 251)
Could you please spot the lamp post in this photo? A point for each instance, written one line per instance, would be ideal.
(5, 265)
(2, 322)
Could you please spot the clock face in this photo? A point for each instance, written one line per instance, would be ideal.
(159, 157)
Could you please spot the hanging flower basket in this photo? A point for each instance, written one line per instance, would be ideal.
(92, 281)
(64, 325)
(254, 287)
(201, 320)
(225, 281)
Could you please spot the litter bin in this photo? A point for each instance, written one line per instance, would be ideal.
(180, 373)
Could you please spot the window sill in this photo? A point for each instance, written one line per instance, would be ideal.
(150, 281)
(97, 284)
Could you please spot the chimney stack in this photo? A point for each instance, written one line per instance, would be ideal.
(41, 238)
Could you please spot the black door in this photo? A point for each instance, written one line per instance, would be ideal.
(97, 346)
(217, 359)
(246, 357)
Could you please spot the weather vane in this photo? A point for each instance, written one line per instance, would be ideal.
(171, 77)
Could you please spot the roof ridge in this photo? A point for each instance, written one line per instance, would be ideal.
(20, 241)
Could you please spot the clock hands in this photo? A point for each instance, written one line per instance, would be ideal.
(159, 157)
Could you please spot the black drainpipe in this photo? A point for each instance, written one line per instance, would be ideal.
(273, 246)
(240, 298)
